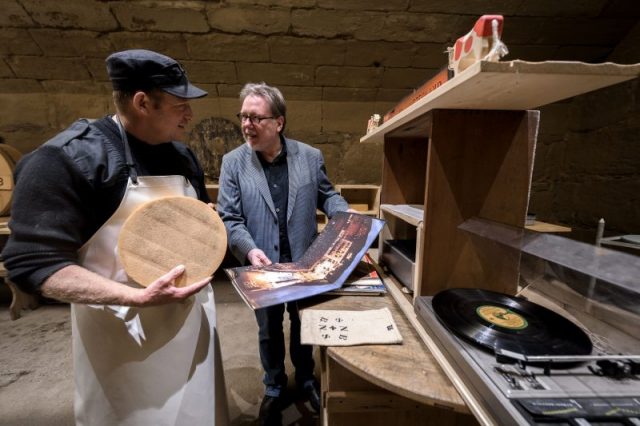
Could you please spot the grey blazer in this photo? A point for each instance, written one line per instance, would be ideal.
(245, 205)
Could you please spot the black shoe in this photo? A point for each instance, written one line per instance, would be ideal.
(270, 411)
(311, 389)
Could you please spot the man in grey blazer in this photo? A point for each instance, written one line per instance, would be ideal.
(270, 189)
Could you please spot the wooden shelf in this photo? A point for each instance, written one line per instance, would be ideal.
(512, 85)
(410, 213)
(212, 190)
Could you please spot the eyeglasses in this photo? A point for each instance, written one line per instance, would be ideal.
(254, 119)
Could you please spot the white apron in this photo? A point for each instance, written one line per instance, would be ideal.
(156, 365)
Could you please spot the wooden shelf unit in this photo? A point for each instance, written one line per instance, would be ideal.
(461, 164)
(361, 197)
(212, 190)
(467, 149)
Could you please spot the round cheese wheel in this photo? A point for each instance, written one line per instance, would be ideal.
(171, 231)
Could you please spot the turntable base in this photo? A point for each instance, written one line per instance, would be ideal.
(520, 393)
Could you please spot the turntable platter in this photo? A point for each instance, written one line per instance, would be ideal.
(495, 320)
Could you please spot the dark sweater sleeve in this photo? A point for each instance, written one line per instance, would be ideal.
(50, 213)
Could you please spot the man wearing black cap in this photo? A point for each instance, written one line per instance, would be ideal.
(141, 355)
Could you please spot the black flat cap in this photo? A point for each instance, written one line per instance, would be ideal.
(140, 69)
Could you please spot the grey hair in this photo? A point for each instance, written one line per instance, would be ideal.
(271, 94)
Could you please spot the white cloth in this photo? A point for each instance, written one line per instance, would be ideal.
(348, 328)
(156, 365)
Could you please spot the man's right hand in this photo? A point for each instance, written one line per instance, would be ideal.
(257, 257)
(163, 290)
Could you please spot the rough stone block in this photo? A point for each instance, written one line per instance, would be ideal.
(361, 163)
(371, 53)
(76, 87)
(88, 14)
(588, 8)
(188, 17)
(14, 15)
(27, 112)
(304, 116)
(566, 31)
(470, 7)
(606, 106)
(301, 93)
(205, 108)
(16, 85)
(258, 19)
(554, 120)
(170, 44)
(276, 74)
(608, 152)
(331, 23)
(229, 90)
(585, 201)
(280, 3)
(392, 96)
(401, 78)
(297, 50)
(381, 5)
(348, 76)
(44, 68)
(426, 28)
(67, 108)
(5, 71)
(26, 138)
(332, 155)
(14, 41)
(210, 72)
(73, 43)
(549, 162)
(431, 55)
(230, 48)
(349, 94)
(98, 69)
(628, 50)
(532, 53)
(591, 54)
(349, 117)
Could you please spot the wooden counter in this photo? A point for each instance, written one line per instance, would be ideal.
(385, 384)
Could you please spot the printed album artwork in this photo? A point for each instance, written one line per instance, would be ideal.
(363, 281)
(325, 266)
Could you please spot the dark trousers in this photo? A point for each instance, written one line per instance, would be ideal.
(272, 346)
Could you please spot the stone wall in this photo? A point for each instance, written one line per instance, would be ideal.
(587, 163)
(337, 62)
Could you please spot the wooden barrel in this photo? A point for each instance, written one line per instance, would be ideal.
(9, 157)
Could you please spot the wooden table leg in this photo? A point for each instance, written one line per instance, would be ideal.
(21, 300)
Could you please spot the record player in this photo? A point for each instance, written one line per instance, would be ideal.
(531, 365)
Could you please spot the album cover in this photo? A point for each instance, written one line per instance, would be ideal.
(325, 266)
(363, 281)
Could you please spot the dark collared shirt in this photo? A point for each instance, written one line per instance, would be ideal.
(277, 176)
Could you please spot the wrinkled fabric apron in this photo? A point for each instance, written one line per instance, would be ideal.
(156, 365)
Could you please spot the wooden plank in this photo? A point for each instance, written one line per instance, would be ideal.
(212, 190)
(479, 164)
(511, 85)
(410, 213)
(405, 304)
(408, 369)
(404, 171)
(546, 227)
(350, 400)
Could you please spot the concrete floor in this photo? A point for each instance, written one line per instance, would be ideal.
(36, 378)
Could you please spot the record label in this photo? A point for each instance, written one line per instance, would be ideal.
(499, 321)
(501, 317)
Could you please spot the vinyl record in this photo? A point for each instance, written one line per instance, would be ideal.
(494, 320)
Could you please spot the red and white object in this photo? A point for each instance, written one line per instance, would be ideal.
(481, 43)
